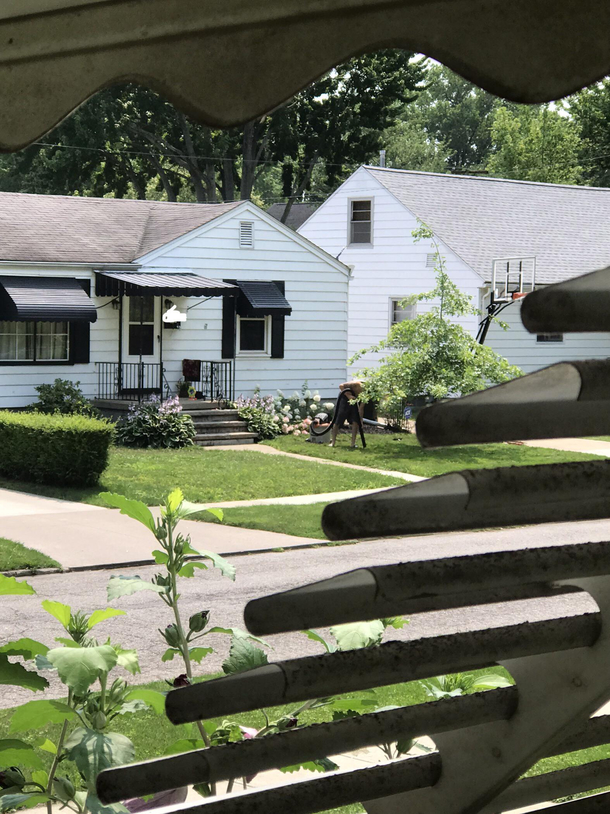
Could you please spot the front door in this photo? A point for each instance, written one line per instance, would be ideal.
(141, 368)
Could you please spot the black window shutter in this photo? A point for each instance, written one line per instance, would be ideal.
(228, 326)
(277, 329)
(80, 336)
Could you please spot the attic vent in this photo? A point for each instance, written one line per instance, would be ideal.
(430, 261)
(246, 234)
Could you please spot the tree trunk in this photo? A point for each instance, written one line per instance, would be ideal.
(164, 178)
(248, 161)
(227, 180)
(300, 189)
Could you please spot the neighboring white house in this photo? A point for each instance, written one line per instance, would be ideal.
(86, 285)
(368, 223)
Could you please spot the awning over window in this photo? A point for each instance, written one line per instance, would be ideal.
(128, 283)
(261, 299)
(45, 299)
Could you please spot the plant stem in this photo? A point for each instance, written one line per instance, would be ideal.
(55, 763)
(184, 648)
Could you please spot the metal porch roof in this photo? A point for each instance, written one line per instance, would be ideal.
(45, 299)
(113, 283)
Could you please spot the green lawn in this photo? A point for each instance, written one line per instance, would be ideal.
(14, 557)
(152, 734)
(301, 521)
(402, 453)
(208, 476)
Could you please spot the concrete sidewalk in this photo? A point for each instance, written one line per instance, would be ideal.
(81, 536)
(588, 445)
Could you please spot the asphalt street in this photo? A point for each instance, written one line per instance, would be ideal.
(260, 574)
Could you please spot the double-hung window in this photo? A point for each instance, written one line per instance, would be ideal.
(34, 341)
(361, 222)
(398, 312)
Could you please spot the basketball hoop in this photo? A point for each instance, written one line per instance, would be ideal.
(512, 278)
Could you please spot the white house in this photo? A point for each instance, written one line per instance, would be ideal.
(129, 297)
(368, 224)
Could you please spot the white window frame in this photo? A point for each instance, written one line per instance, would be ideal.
(393, 301)
(350, 201)
(267, 349)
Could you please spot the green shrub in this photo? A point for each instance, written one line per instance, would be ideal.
(63, 396)
(56, 449)
(156, 423)
(259, 421)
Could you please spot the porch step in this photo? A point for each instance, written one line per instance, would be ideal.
(207, 427)
(212, 439)
(212, 415)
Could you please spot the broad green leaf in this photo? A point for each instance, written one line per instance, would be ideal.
(101, 616)
(315, 637)
(137, 705)
(355, 704)
(95, 751)
(79, 667)
(188, 569)
(184, 745)
(324, 764)
(169, 654)
(358, 634)
(199, 653)
(405, 745)
(160, 557)
(126, 586)
(36, 714)
(43, 663)
(132, 508)
(152, 698)
(66, 642)
(238, 633)
(243, 655)
(26, 648)
(18, 753)
(174, 499)
(95, 806)
(18, 676)
(225, 567)
(490, 681)
(127, 659)
(46, 745)
(8, 802)
(60, 611)
(188, 508)
(9, 586)
(218, 513)
(40, 777)
(397, 622)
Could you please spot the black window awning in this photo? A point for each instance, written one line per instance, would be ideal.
(133, 283)
(45, 299)
(261, 299)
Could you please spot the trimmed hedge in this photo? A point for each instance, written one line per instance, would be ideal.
(55, 449)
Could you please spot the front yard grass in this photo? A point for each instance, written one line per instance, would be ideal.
(401, 452)
(15, 557)
(300, 521)
(208, 476)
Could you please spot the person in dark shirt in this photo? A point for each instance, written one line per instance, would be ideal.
(348, 410)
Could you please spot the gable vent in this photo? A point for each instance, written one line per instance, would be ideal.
(430, 261)
(246, 234)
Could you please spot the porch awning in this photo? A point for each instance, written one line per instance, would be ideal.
(45, 299)
(261, 299)
(128, 283)
(214, 60)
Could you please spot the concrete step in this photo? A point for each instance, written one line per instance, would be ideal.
(211, 439)
(207, 427)
(227, 442)
(212, 415)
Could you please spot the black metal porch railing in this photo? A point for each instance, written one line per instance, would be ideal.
(129, 381)
(215, 381)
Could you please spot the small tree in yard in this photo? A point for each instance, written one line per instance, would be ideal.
(431, 355)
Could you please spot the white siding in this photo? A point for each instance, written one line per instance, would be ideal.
(394, 265)
(315, 344)
(522, 348)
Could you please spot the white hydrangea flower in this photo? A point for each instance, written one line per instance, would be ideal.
(317, 398)
(313, 408)
(280, 394)
(308, 394)
(328, 406)
(302, 403)
(286, 409)
(276, 418)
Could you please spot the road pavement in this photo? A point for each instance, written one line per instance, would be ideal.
(260, 574)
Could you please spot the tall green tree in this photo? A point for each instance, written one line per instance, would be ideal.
(534, 144)
(590, 110)
(128, 141)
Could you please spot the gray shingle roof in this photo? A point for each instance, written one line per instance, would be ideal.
(299, 212)
(567, 228)
(56, 228)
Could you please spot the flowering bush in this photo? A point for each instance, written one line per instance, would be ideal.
(156, 423)
(282, 415)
